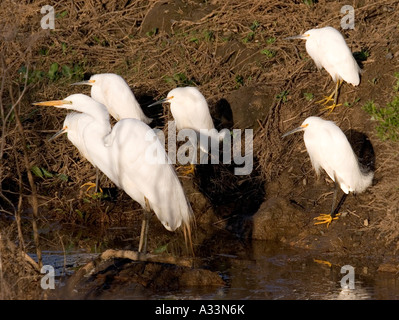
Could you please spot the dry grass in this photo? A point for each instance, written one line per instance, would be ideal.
(155, 46)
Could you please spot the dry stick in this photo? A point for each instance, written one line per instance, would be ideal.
(1, 271)
(3, 135)
(34, 201)
(19, 207)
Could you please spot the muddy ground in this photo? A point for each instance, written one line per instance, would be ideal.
(235, 53)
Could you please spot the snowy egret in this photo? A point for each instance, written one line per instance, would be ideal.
(112, 91)
(190, 111)
(121, 154)
(329, 149)
(327, 47)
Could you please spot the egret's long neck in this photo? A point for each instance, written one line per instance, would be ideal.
(98, 112)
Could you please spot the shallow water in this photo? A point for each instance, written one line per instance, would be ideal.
(260, 270)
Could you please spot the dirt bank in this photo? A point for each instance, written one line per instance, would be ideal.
(236, 54)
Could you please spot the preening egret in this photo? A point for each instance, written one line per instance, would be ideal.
(327, 47)
(329, 149)
(122, 154)
(190, 111)
(112, 91)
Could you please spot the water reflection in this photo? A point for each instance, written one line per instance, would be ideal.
(260, 270)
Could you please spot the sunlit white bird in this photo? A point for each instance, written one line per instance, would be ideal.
(327, 47)
(191, 111)
(74, 125)
(112, 91)
(133, 158)
(329, 149)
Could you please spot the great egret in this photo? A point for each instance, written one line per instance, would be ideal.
(329, 149)
(190, 111)
(74, 124)
(112, 91)
(124, 156)
(327, 47)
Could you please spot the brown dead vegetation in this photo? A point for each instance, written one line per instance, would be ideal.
(235, 53)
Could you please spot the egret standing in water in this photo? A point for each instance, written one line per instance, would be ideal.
(327, 47)
(112, 91)
(329, 149)
(123, 155)
(190, 111)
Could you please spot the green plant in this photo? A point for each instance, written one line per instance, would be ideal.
(62, 14)
(75, 71)
(152, 32)
(283, 96)
(239, 81)
(396, 85)
(194, 39)
(81, 214)
(268, 53)
(33, 75)
(387, 118)
(361, 55)
(255, 25)
(41, 172)
(208, 35)
(64, 48)
(309, 3)
(180, 80)
(53, 73)
(251, 35)
(308, 96)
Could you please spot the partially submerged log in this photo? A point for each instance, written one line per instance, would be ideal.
(90, 267)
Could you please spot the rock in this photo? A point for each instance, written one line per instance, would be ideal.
(164, 14)
(277, 219)
(200, 277)
(249, 105)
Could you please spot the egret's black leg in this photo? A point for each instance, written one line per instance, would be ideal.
(340, 203)
(144, 228)
(334, 215)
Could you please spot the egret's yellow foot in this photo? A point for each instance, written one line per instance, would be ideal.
(326, 218)
(91, 185)
(327, 99)
(187, 169)
(332, 107)
(327, 263)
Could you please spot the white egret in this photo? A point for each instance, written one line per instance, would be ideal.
(74, 124)
(190, 111)
(327, 47)
(112, 91)
(329, 149)
(124, 156)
